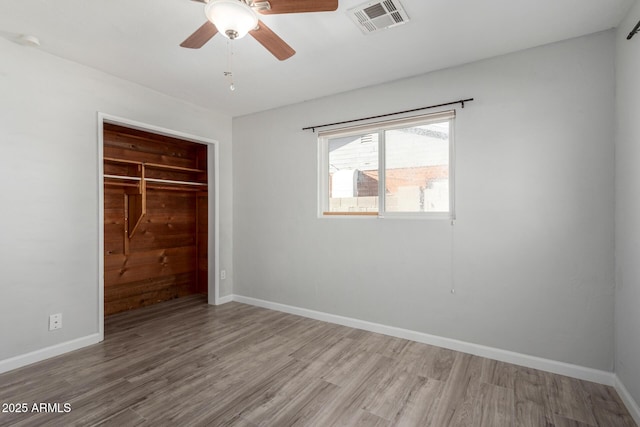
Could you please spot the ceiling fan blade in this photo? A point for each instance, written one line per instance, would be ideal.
(299, 6)
(272, 42)
(200, 36)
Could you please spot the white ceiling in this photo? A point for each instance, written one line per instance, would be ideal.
(138, 40)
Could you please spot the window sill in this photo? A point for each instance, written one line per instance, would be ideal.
(350, 213)
(389, 215)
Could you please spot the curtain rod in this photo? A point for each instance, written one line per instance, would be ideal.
(634, 31)
(461, 102)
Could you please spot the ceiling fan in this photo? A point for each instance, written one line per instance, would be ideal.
(236, 18)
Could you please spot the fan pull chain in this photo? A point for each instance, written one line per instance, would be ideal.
(229, 73)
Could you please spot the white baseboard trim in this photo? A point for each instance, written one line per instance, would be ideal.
(562, 368)
(225, 299)
(47, 352)
(627, 399)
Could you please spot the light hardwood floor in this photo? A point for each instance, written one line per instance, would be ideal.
(186, 363)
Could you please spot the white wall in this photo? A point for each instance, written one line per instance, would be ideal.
(627, 319)
(48, 188)
(533, 243)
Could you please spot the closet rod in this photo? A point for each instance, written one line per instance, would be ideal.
(130, 178)
(161, 181)
(461, 102)
(170, 181)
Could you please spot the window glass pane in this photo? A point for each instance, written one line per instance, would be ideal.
(417, 168)
(353, 173)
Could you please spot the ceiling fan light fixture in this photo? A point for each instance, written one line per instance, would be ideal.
(233, 18)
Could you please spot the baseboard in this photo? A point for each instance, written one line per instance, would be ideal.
(45, 353)
(562, 368)
(225, 299)
(627, 399)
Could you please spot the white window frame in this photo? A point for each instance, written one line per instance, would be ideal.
(380, 128)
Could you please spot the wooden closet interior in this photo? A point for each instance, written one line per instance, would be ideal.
(155, 218)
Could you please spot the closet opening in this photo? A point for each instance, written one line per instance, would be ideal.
(156, 234)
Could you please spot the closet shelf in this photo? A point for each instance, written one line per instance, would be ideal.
(173, 168)
(155, 165)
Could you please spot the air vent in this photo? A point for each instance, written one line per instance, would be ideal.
(375, 16)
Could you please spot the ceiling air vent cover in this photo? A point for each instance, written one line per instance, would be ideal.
(378, 15)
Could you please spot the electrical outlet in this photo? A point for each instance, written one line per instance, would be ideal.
(55, 321)
(223, 274)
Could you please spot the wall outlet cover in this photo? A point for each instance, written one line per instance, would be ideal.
(55, 321)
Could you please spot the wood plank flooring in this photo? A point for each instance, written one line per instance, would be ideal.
(183, 362)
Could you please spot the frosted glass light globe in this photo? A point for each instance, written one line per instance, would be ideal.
(233, 18)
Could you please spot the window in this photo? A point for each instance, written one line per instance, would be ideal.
(399, 168)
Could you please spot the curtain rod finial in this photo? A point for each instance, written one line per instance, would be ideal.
(634, 31)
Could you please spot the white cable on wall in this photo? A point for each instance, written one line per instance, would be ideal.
(453, 279)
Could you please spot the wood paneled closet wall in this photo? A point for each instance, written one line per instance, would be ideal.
(155, 218)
